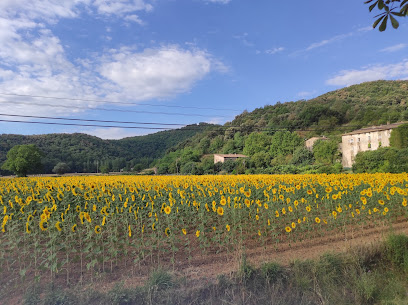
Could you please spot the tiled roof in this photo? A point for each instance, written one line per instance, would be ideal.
(374, 128)
(231, 155)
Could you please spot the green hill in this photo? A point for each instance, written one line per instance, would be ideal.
(84, 153)
(271, 135)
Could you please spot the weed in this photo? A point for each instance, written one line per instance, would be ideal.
(272, 272)
(160, 279)
(397, 250)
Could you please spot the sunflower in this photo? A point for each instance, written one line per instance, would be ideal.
(317, 219)
(97, 229)
(43, 225)
(293, 225)
(228, 228)
(220, 211)
(290, 209)
(58, 226)
(288, 229)
(184, 231)
(381, 202)
(130, 231)
(28, 228)
(73, 229)
(167, 210)
(198, 233)
(167, 231)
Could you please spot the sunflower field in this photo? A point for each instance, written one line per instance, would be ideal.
(67, 225)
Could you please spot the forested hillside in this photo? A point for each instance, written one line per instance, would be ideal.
(83, 153)
(273, 136)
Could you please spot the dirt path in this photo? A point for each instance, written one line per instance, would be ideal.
(202, 269)
(206, 268)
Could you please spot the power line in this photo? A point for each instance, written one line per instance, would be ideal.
(86, 125)
(89, 120)
(111, 109)
(161, 128)
(121, 103)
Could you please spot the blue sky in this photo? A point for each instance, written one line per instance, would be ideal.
(181, 61)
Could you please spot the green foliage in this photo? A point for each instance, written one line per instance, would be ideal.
(61, 168)
(386, 159)
(326, 152)
(302, 156)
(22, 159)
(125, 296)
(397, 250)
(160, 279)
(257, 142)
(284, 143)
(390, 10)
(83, 152)
(399, 137)
(273, 272)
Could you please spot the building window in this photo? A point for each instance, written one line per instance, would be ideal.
(379, 144)
(351, 141)
(369, 138)
(369, 145)
(358, 140)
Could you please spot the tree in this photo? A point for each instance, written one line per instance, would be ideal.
(399, 137)
(326, 152)
(22, 159)
(257, 142)
(390, 9)
(61, 168)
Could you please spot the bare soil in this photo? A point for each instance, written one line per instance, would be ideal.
(201, 269)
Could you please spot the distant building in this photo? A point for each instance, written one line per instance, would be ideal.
(224, 157)
(370, 138)
(310, 142)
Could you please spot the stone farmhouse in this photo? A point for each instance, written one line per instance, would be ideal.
(370, 138)
(224, 157)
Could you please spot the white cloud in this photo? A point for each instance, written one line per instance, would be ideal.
(304, 94)
(154, 73)
(134, 18)
(274, 50)
(114, 133)
(370, 73)
(121, 7)
(327, 41)
(244, 40)
(219, 1)
(33, 61)
(394, 48)
(333, 39)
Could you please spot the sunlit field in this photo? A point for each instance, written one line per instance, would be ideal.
(92, 224)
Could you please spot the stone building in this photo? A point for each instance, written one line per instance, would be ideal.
(370, 138)
(224, 157)
(310, 142)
